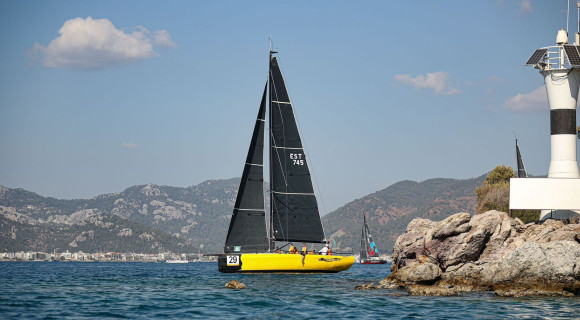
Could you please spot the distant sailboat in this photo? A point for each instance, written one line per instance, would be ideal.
(522, 173)
(369, 253)
(293, 214)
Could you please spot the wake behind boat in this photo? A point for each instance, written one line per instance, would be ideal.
(293, 216)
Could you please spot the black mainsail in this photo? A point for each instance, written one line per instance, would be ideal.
(521, 169)
(247, 231)
(294, 212)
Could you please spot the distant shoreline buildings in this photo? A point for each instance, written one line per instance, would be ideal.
(80, 256)
(101, 257)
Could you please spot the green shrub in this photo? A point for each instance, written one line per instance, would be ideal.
(495, 192)
(495, 195)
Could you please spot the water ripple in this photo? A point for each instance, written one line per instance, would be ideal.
(196, 291)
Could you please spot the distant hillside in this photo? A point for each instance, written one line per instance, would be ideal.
(176, 219)
(149, 218)
(388, 211)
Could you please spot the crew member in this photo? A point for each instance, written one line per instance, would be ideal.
(324, 250)
(304, 249)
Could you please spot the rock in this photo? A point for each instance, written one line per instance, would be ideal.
(495, 248)
(546, 267)
(486, 252)
(368, 286)
(388, 283)
(453, 225)
(463, 248)
(235, 284)
(419, 273)
(412, 243)
(424, 290)
(470, 276)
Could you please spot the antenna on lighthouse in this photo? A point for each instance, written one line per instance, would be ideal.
(568, 16)
(577, 35)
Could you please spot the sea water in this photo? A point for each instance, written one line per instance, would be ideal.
(75, 290)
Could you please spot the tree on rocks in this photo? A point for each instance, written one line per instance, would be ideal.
(495, 192)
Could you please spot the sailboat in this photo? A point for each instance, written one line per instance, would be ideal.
(522, 173)
(251, 244)
(369, 253)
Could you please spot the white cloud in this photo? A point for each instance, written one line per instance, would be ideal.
(436, 81)
(494, 78)
(90, 44)
(129, 145)
(536, 100)
(163, 38)
(525, 7)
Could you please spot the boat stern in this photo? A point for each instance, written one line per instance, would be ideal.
(229, 263)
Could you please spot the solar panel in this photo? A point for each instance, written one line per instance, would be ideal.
(536, 57)
(572, 53)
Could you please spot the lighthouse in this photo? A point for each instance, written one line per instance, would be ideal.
(557, 196)
(562, 80)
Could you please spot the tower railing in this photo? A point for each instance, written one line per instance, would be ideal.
(555, 58)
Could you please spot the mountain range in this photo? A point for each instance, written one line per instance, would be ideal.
(151, 218)
(389, 211)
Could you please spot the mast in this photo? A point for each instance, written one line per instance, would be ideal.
(271, 216)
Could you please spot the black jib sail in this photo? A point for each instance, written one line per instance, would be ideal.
(293, 206)
(521, 169)
(368, 247)
(247, 231)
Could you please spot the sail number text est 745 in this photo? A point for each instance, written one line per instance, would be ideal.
(297, 159)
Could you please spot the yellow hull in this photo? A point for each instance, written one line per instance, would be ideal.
(279, 262)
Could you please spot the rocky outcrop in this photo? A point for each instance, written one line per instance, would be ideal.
(486, 252)
(235, 284)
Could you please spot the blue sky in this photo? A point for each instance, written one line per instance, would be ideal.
(166, 92)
